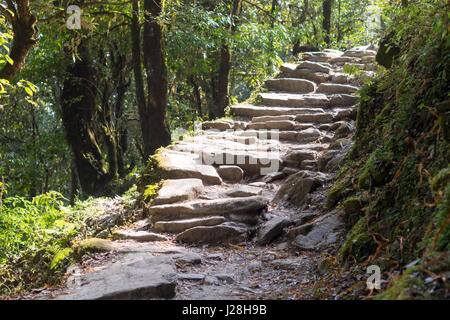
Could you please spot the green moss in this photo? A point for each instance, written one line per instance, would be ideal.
(405, 287)
(358, 243)
(352, 211)
(441, 180)
(94, 245)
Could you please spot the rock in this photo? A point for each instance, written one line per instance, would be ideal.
(280, 124)
(191, 276)
(360, 52)
(168, 164)
(212, 235)
(291, 85)
(231, 173)
(286, 264)
(272, 229)
(216, 125)
(225, 277)
(215, 256)
(203, 208)
(342, 100)
(339, 144)
(386, 56)
(253, 266)
(141, 236)
(297, 156)
(178, 190)
(274, 176)
(308, 135)
(181, 225)
(334, 88)
(323, 233)
(290, 171)
(244, 191)
(134, 278)
(297, 187)
(314, 118)
(344, 130)
(257, 184)
(315, 66)
(187, 258)
(325, 158)
(94, 245)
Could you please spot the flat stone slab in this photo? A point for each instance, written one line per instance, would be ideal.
(135, 277)
(294, 100)
(215, 234)
(180, 165)
(141, 236)
(315, 118)
(290, 70)
(177, 226)
(334, 88)
(176, 190)
(244, 191)
(291, 85)
(203, 208)
(258, 111)
(272, 118)
(315, 66)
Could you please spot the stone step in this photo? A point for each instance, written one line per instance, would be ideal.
(177, 226)
(259, 111)
(176, 190)
(171, 164)
(291, 85)
(141, 236)
(294, 100)
(315, 66)
(272, 124)
(333, 88)
(289, 70)
(216, 125)
(222, 233)
(202, 208)
(314, 118)
(361, 51)
(321, 56)
(273, 118)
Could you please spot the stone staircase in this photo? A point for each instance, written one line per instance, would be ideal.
(219, 183)
(263, 174)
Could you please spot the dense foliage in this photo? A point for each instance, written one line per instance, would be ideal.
(394, 189)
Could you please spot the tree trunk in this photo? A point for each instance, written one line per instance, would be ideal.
(79, 107)
(154, 125)
(326, 24)
(25, 33)
(222, 96)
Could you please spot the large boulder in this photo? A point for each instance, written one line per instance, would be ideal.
(232, 174)
(176, 190)
(272, 229)
(298, 186)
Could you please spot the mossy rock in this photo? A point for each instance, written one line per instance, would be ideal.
(338, 191)
(94, 245)
(352, 211)
(358, 243)
(406, 287)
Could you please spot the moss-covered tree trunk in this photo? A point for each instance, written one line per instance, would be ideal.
(79, 107)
